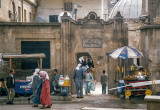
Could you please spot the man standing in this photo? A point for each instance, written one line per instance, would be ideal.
(54, 81)
(10, 86)
(78, 77)
(104, 82)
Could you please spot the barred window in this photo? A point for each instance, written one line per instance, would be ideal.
(68, 6)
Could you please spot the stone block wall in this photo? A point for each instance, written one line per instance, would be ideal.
(11, 35)
(150, 46)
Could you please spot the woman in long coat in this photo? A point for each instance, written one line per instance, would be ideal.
(45, 98)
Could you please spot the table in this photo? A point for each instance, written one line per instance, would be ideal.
(62, 87)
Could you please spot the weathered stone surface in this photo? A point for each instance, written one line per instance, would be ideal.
(66, 42)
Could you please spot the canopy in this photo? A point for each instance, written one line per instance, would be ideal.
(125, 53)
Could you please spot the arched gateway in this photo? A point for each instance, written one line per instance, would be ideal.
(92, 37)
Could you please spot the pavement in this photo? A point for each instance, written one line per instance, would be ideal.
(93, 101)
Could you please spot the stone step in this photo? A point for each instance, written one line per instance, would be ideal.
(91, 108)
(24, 100)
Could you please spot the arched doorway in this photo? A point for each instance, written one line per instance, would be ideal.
(87, 60)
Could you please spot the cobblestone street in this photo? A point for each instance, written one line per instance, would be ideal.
(94, 100)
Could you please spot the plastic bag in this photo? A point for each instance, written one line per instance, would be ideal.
(93, 86)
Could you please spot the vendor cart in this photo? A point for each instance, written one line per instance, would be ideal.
(136, 91)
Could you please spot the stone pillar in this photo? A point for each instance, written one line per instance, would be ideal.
(65, 33)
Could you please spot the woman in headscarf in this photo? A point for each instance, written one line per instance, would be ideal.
(45, 98)
(35, 81)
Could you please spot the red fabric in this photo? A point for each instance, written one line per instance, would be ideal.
(45, 97)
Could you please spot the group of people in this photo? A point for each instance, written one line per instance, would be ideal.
(84, 75)
(41, 89)
(40, 86)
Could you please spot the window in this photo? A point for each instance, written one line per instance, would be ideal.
(30, 16)
(24, 15)
(68, 6)
(0, 3)
(53, 18)
(19, 14)
(34, 47)
(10, 14)
(138, 61)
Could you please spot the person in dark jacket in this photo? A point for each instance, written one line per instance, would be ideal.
(10, 86)
(104, 82)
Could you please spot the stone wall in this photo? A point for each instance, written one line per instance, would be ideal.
(150, 46)
(11, 35)
(55, 7)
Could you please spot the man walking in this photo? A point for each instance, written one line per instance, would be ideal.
(35, 81)
(10, 86)
(78, 77)
(104, 82)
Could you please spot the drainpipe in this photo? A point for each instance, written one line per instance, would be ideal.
(22, 9)
(102, 8)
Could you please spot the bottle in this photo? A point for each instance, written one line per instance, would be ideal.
(67, 81)
(61, 80)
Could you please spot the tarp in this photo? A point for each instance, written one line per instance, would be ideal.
(23, 87)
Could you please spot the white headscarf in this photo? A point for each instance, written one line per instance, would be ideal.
(44, 75)
(78, 67)
(36, 71)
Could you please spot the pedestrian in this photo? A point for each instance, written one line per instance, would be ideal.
(88, 79)
(35, 81)
(104, 82)
(78, 77)
(54, 82)
(45, 92)
(3, 87)
(36, 99)
(10, 86)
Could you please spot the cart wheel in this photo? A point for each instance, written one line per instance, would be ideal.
(148, 92)
(127, 94)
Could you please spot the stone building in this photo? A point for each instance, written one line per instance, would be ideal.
(63, 43)
(49, 10)
(17, 10)
(150, 42)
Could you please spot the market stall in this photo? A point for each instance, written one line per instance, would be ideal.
(125, 84)
(24, 86)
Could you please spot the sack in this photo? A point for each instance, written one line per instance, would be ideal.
(93, 86)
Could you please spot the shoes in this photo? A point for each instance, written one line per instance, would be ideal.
(81, 97)
(42, 107)
(29, 99)
(10, 102)
(52, 93)
(49, 106)
(35, 105)
(78, 97)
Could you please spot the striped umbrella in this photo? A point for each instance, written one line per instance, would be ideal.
(125, 53)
